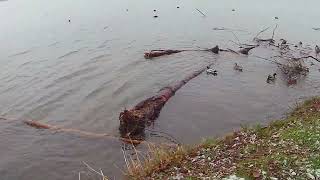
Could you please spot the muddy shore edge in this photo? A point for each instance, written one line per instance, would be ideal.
(285, 149)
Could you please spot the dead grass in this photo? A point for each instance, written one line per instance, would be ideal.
(285, 149)
(157, 159)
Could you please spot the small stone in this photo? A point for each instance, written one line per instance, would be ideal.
(276, 17)
(256, 174)
(155, 16)
(233, 10)
(293, 173)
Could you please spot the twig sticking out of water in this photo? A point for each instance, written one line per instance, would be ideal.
(201, 12)
(236, 37)
(274, 31)
(165, 135)
(261, 32)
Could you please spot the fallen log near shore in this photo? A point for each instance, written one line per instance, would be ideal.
(161, 52)
(157, 53)
(39, 125)
(134, 121)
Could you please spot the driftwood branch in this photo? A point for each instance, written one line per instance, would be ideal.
(39, 125)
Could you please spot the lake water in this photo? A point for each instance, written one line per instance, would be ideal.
(81, 74)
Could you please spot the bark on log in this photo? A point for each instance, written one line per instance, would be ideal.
(134, 121)
(162, 52)
(157, 53)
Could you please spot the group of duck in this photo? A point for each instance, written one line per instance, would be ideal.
(236, 67)
(215, 72)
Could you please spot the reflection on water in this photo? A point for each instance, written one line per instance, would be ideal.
(82, 73)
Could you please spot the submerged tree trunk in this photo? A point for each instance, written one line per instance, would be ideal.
(134, 121)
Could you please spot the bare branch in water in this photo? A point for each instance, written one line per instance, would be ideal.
(201, 12)
(261, 32)
(274, 31)
(235, 37)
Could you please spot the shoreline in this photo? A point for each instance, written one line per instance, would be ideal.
(284, 149)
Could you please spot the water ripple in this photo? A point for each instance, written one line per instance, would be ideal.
(68, 54)
(71, 76)
(20, 53)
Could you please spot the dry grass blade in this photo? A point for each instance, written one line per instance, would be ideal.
(125, 159)
(95, 171)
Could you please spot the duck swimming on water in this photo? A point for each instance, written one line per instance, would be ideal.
(211, 71)
(271, 78)
(237, 67)
(317, 49)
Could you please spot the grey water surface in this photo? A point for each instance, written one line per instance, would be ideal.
(81, 74)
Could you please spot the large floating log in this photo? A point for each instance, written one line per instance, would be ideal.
(134, 121)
